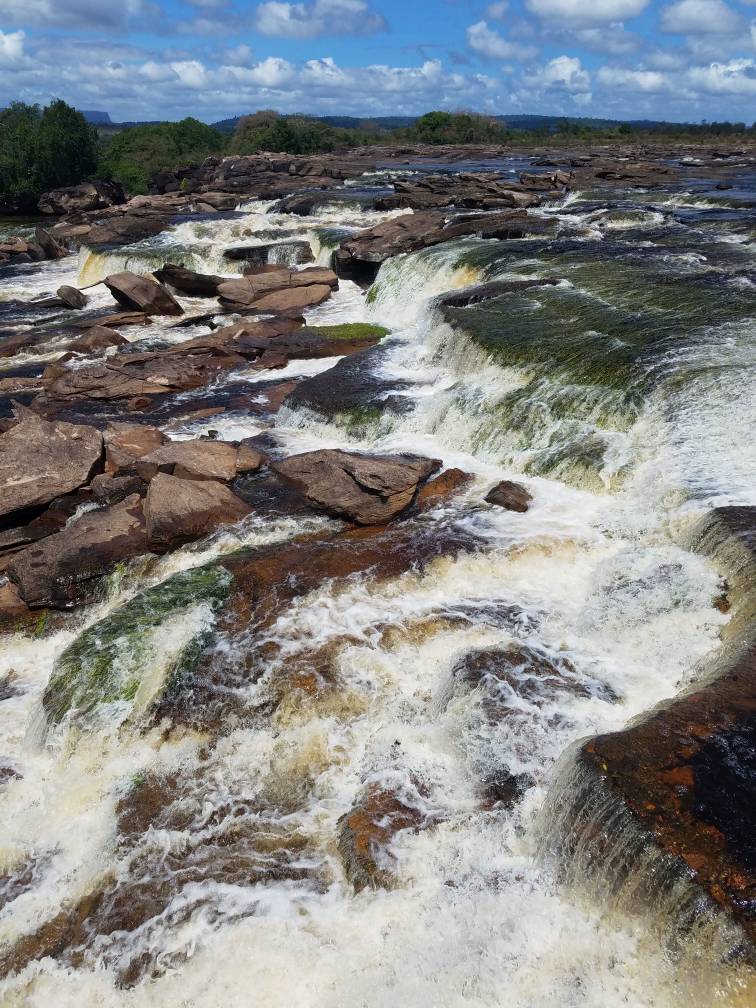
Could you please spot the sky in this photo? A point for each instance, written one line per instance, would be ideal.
(681, 60)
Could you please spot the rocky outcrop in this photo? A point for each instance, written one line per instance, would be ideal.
(367, 489)
(182, 510)
(59, 571)
(363, 254)
(509, 495)
(40, 461)
(683, 778)
(125, 443)
(479, 191)
(201, 460)
(142, 293)
(251, 291)
(16, 251)
(86, 196)
(293, 252)
(187, 281)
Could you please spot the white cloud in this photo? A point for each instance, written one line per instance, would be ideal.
(564, 76)
(489, 44)
(738, 77)
(70, 13)
(11, 49)
(612, 39)
(578, 12)
(496, 11)
(632, 80)
(191, 73)
(323, 17)
(700, 17)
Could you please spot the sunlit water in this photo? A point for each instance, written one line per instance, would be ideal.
(622, 396)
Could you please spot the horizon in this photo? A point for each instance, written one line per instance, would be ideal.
(682, 61)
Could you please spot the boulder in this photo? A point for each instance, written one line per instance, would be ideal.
(180, 510)
(107, 489)
(368, 489)
(288, 251)
(125, 443)
(509, 495)
(51, 248)
(59, 570)
(293, 299)
(249, 290)
(198, 460)
(40, 460)
(72, 297)
(187, 281)
(97, 338)
(142, 293)
(86, 196)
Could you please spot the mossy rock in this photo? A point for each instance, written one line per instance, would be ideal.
(351, 331)
(106, 662)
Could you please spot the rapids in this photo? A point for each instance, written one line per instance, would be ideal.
(623, 396)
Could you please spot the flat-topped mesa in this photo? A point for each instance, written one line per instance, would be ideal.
(666, 808)
(361, 255)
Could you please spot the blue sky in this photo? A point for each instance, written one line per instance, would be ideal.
(152, 59)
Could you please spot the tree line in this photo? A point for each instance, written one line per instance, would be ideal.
(43, 149)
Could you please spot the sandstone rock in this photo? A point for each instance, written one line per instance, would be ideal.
(107, 489)
(86, 196)
(249, 459)
(198, 460)
(125, 443)
(180, 511)
(40, 461)
(509, 495)
(249, 290)
(59, 570)
(442, 487)
(71, 297)
(294, 299)
(141, 293)
(51, 248)
(368, 489)
(118, 319)
(97, 338)
(295, 252)
(189, 282)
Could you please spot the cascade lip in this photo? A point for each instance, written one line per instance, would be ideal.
(687, 771)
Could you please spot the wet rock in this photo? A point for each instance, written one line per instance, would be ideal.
(11, 604)
(107, 489)
(478, 293)
(125, 443)
(60, 570)
(294, 252)
(86, 196)
(368, 489)
(366, 833)
(193, 460)
(249, 290)
(509, 495)
(71, 297)
(445, 485)
(51, 248)
(141, 293)
(480, 191)
(180, 510)
(40, 461)
(97, 338)
(118, 319)
(189, 282)
(363, 254)
(294, 299)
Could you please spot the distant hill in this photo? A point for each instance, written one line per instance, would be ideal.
(96, 117)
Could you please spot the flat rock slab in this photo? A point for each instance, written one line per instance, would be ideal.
(180, 510)
(125, 443)
(58, 571)
(189, 282)
(199, 460)
(40, 461)
(142, 293)
(368, 489)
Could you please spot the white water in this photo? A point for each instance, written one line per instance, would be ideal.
(598, 582)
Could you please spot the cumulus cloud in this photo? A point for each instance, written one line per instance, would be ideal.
(11, 49)
(578, 12)
(613, 39)
(700, 17)
(71, 13)
(497, 11)
(323, 17)
(632, 80)
(738, 77)
(563, 77)
(489, 44)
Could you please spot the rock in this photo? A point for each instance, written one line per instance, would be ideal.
(248, 458)
(444, 485)
(107, 489)
(249, 290)
(366, 833)
(97, 338)
(509, 495)
(199, 460)
(117, 320)
(294, 299)
(11, 604)
(368, 489)
(291, 252)
(180, 511)
(142, 293)
(189, 282)
(59, 570)
(125, 443)
(481, 191)
(477, 293)
(40, 461)
(51, 248)
(71, 297)
(86, 196)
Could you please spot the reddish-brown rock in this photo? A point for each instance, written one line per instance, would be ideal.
(509, 495)
(181, 510)
(142, 293)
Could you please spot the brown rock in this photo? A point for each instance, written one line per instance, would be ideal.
(96, 338)
(107, 489)
(125, 443)
(40, 461)
(72, 297)
(443, 486)
(50, 247)
(11, 604)
(509, 495)
(249, 459)
(142, 293)
(187, 281)
(180, 511)
(293, 299)
(369, 489)
(193, 460)
(59, 570)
